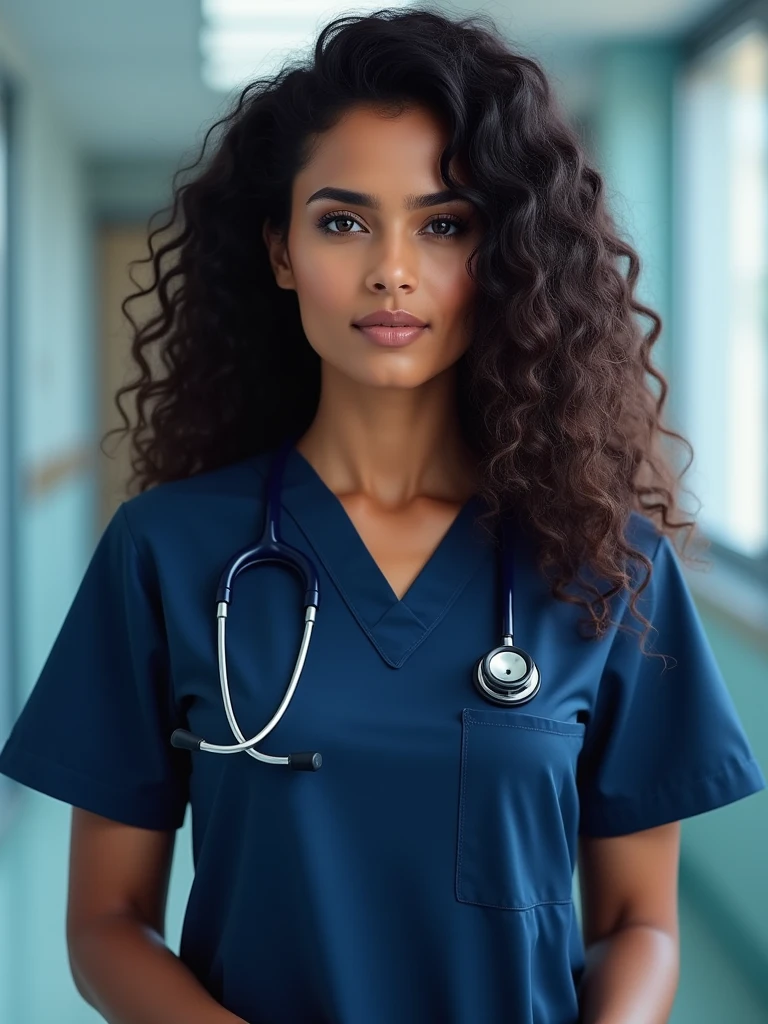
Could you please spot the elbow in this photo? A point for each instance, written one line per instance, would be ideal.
(74, 969)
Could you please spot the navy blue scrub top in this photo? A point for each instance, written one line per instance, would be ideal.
(425, 872)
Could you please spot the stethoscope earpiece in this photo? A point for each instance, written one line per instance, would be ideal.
(506, 675)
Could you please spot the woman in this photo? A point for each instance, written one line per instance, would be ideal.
(420, 869)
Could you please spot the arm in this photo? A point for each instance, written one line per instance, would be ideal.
(629, 913)
(118, 887)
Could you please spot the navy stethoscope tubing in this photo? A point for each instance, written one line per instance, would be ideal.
(507, 675)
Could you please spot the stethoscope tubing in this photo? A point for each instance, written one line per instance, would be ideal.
(506, 676)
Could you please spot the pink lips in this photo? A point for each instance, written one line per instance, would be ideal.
(392, 337)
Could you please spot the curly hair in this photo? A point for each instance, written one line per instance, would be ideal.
(554, 391)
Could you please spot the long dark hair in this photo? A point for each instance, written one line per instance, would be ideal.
(554, 395)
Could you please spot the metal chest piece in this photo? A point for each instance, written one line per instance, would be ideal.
(507, 676)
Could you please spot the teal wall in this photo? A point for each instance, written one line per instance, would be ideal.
(633, 134)
(52, 301)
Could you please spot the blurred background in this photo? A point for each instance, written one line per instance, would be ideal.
(102, 100)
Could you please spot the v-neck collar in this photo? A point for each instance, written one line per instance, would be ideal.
(395, 626)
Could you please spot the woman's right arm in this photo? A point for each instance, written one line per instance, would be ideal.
(118, 888)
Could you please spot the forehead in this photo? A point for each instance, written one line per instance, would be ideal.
(375, 149)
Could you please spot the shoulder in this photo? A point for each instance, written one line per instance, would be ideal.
(661, 589)
(642, 534)
(643, 538)
(215, 497)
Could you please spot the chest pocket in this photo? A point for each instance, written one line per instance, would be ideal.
(518, 809)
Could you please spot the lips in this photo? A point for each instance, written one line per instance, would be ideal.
(391, 337)
(390, 318)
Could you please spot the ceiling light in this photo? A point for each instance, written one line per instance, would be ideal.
(243, 39)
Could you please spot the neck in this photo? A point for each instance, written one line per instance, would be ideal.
(391, 445)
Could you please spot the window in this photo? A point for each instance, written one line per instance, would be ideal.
(8, 708)
(722, 265)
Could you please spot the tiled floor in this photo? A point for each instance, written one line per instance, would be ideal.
(36, 987)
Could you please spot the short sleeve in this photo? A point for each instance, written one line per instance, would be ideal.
(664, 741)
(95, 731)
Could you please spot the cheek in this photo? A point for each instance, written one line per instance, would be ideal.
(453, 289)
(322, 287)
(322, 281)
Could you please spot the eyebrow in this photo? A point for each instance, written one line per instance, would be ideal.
(412, 202)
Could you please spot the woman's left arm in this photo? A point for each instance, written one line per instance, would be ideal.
(628, 888)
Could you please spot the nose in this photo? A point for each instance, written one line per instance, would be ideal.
(394, 269)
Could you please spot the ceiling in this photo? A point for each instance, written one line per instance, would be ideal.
(125, 74)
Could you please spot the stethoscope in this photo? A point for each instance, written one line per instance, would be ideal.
(507, 675)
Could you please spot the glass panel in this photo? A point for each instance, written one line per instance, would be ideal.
(7, 708)
(724, 367)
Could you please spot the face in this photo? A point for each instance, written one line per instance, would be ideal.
(347, 259)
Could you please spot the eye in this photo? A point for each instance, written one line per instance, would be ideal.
(331, 218)
(457, 222)
(444, 218)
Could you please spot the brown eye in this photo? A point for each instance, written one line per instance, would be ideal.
(336, 220)
(450, 219)
(331, 218)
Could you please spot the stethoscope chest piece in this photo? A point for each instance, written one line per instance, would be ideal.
(507, 676)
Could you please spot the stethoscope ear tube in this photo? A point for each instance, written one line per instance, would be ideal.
(507, 675)
(307, 761)
(270, 549)
(185, 740)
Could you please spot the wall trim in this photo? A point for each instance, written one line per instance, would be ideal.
(738, 600)
(40, 479)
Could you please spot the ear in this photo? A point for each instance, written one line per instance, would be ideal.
(279, 259)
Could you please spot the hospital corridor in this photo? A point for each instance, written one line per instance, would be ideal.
(102, 105)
